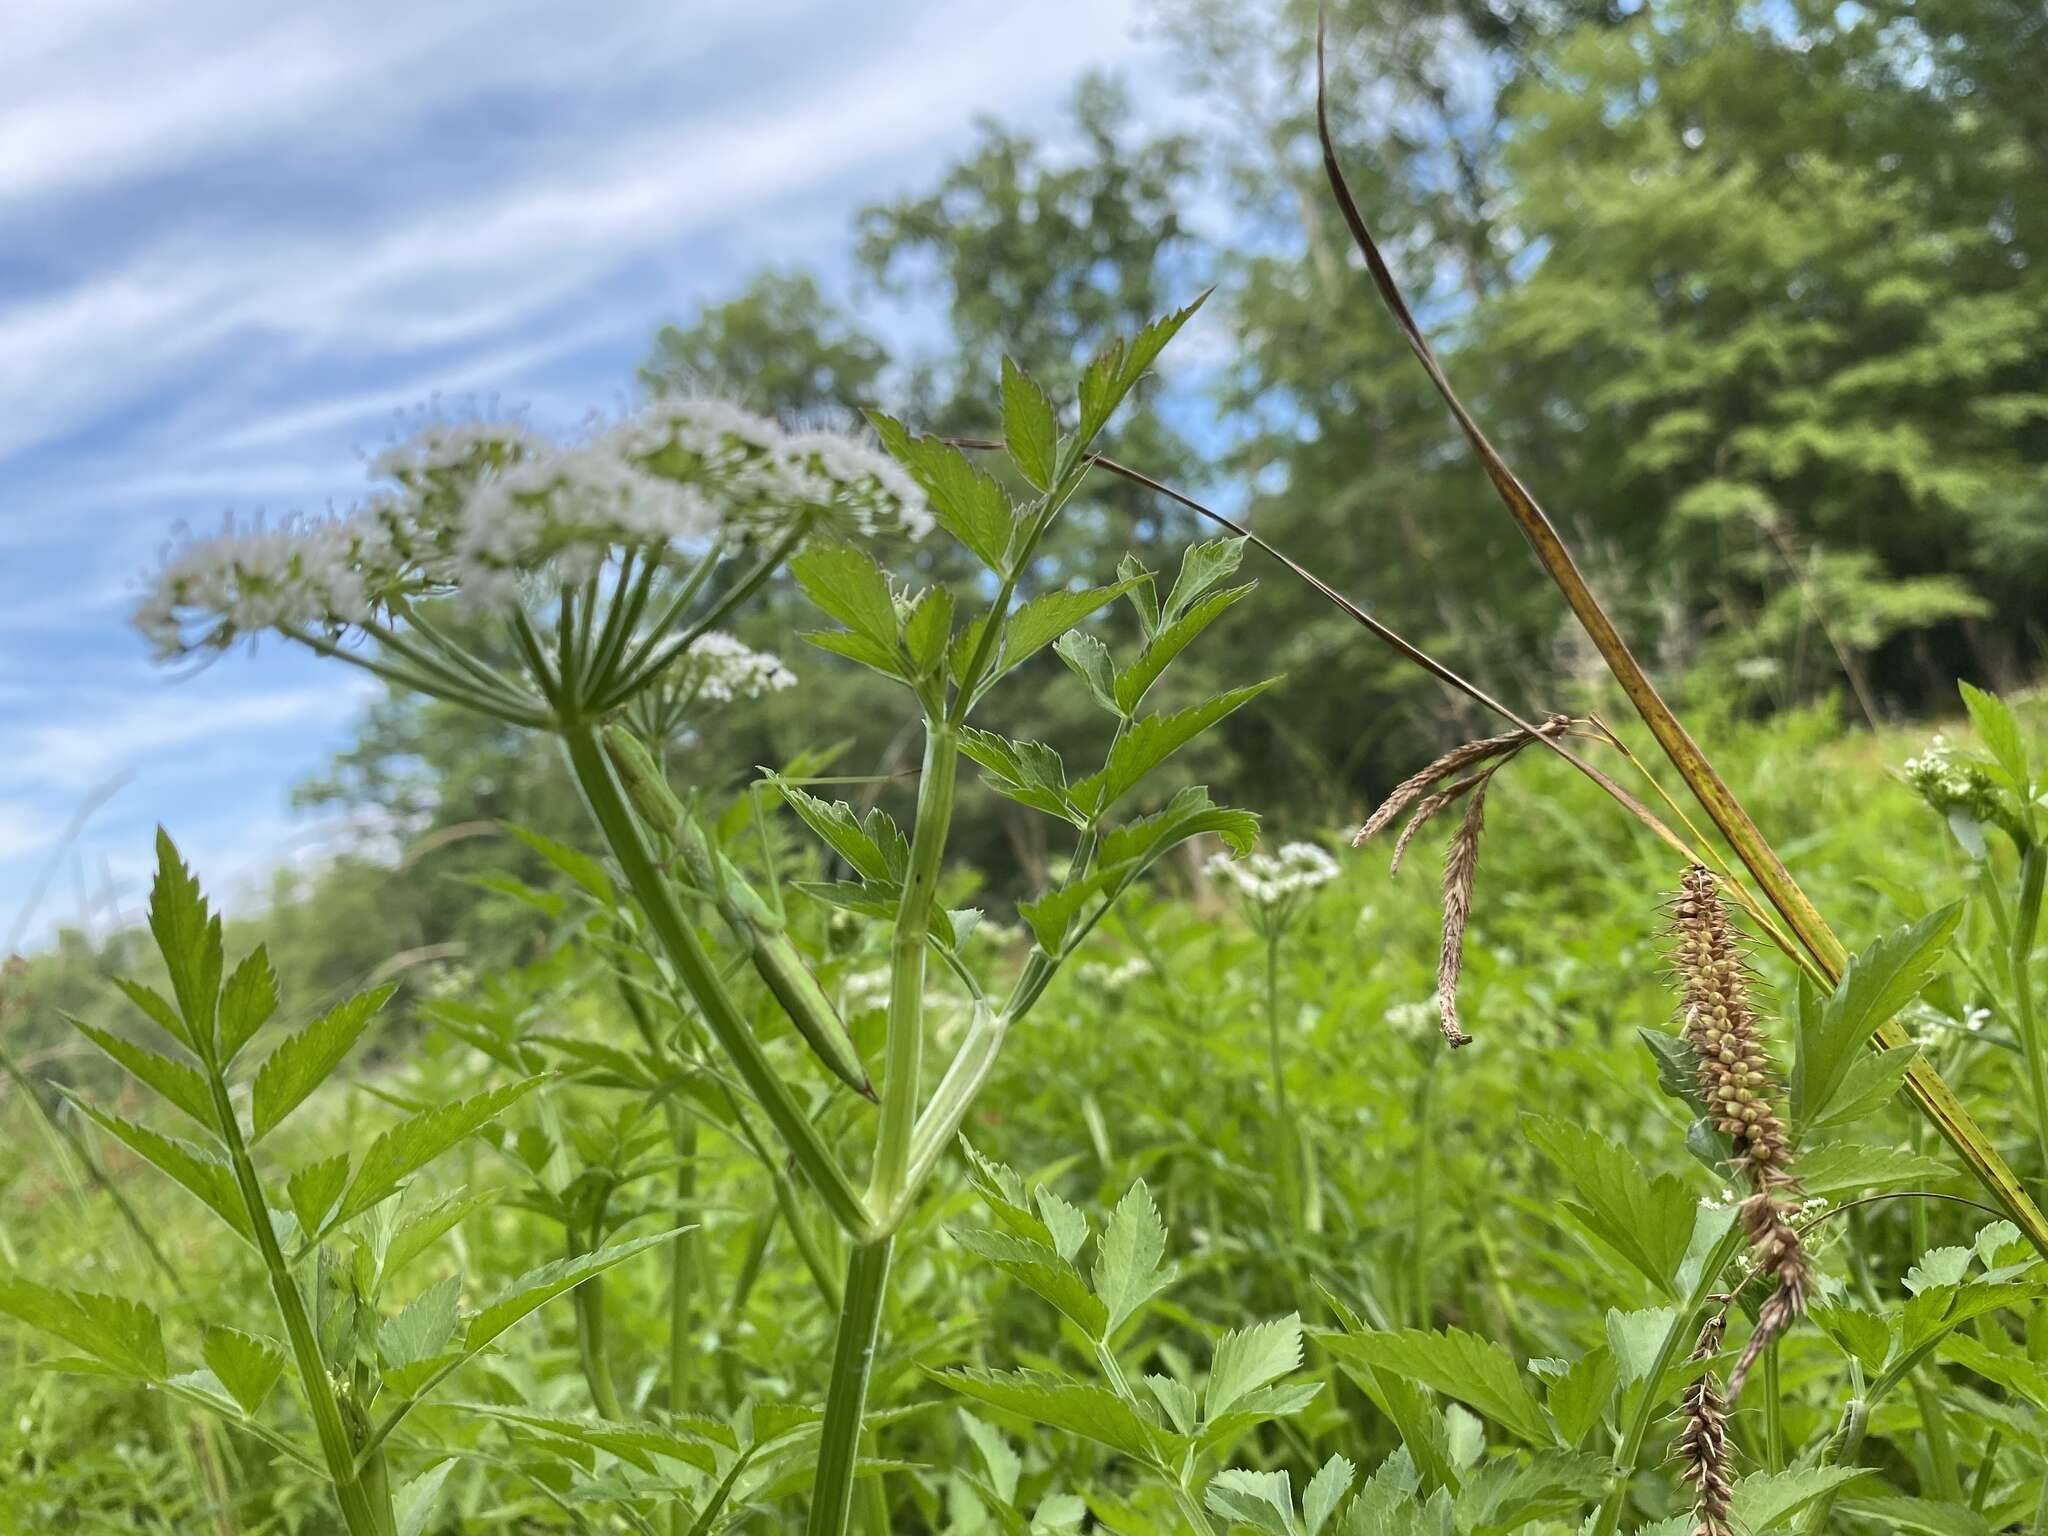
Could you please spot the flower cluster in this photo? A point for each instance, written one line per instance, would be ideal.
(1270, 879)
(1112, 979)
(718, 669)
(1956, 785)
(477, 507)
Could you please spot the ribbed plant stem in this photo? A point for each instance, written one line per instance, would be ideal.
(846, 1396)
(694, 968)
(2026, 921)
(903, 1055)
(362, 1515)
(1927, 1087)
(588, 1302)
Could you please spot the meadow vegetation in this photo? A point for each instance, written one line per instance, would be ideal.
(878, 1083)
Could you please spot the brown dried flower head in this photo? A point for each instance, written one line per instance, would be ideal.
(1434, 789)
(1740, 1085)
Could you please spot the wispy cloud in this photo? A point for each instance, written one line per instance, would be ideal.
(99, 735)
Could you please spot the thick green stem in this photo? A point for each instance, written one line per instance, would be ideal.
(700, 976)
(853, 1358)
(363, 1516)
(889, 1188)
(588, 1302)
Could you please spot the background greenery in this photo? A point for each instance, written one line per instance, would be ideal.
(1757, 297)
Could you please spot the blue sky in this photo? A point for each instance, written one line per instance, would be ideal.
(244, 239)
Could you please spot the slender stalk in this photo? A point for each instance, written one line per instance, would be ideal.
(587, 1300)
(683, 1278)
(889, 1187)
(1190, 1507)
(446, 645)
(653, 657)
(1422, 1189)
(1284, 1137)
(853, 1358)
(362, 1517)
(2026, 921)
(1774, 1412)
(1937, 1101)
(1987, 1464)
(468, 698)
(679, 941)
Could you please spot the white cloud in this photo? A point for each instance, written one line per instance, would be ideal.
(24, 829)
(98, 736)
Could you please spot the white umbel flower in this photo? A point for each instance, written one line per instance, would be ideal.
(1269, 879)
(722, 669)
(477, 508)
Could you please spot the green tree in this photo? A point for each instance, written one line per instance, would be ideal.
(779, 346)
(1783, 311)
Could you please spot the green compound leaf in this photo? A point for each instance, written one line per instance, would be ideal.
(1878, 983)
(1475, 1371)
(302, 1062)
(196, 1170)
(410, 1145)
(537, 1287)
(247, 1003)
(1030, 428)
(1152, 741)
(172, 1080)
(967, 502)
(1127, 1272)
(1092, 1412)
(188, 937)
(1647, 1221)
(123, 1335)
(246, 1365)
(1249, 1358)
(846, 584)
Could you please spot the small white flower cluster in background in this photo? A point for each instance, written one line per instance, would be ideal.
(1414, 1020)
(863, 990)
(1269, 879)
(478, 506)
(1114, 978)
(1953, 784)
(718, 669)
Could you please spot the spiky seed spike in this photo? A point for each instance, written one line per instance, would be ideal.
(1702, 1443)
(1739, 1082)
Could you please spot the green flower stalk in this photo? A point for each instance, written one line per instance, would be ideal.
(754, 925)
